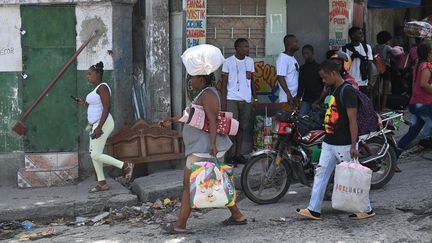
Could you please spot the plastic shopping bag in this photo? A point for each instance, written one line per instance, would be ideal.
(418, 29)
(202, 59)
(211, 185)
(351, 187)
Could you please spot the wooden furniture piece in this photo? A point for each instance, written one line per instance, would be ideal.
(144, 143)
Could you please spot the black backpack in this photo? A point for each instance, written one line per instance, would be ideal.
(364, 62)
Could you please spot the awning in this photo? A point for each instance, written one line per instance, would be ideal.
(393, 3)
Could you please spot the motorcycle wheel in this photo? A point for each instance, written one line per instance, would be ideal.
(383, 169)
(258, 182)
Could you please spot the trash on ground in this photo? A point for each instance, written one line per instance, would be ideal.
(157, 204)
(9, 229)
(279, 220)
(167, 202)
(27, 225)
(100, 217)
(39, 235)
(147, 214)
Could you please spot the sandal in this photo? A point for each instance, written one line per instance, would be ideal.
(99, 188)
(308, 214)
(128, 171)
(232, 221)
(397, 169)
(362, 215)
(170, 229)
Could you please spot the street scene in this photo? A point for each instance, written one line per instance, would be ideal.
(403, 215)
(216, 121)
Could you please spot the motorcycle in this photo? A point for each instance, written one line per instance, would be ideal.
(294, 157)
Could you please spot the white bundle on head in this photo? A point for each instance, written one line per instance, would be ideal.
(202, 59)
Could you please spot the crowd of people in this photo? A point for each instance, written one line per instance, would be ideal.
(301, 88)
(331, 85)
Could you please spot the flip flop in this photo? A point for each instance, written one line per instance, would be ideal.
(170, 229)
(232, 221)
(307, 213)
(99, 188)
(397, 169)
(358, 216)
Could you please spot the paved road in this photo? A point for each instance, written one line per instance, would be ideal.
(403, 207)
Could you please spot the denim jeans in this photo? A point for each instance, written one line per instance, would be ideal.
(330, 156)
(423, 114)
(426, 131)
(305, 108)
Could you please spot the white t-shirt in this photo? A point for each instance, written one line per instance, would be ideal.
(287, 67)
(239, 78)
(355, 67)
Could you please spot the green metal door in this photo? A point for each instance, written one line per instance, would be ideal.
(48, 43)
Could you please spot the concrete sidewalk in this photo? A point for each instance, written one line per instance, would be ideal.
(61, 202)
(73, 201)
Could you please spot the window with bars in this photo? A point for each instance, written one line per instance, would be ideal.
(228, 20)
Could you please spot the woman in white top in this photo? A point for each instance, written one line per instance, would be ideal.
(102, 124)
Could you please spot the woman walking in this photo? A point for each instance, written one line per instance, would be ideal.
(200, 146)
(421, 100)
(102, 124)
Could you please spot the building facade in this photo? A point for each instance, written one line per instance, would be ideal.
(140, 44)
(38, 38)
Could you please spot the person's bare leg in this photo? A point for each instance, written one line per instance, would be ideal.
(185, 209)
(236, 214)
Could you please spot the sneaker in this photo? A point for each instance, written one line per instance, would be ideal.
(359, 216)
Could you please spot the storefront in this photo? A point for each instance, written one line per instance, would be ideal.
(322, 24)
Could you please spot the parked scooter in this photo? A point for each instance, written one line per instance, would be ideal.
(268, 174)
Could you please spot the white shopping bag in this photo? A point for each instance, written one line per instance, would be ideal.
(351, 187)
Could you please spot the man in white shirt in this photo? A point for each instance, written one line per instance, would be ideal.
(361, 56)
(238, 94)
(287, 69)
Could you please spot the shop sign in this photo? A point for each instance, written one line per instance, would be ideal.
(340, 20)
(196, 12)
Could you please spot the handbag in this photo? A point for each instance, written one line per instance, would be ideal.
(351, 187)
(195, 116)
(211, 185)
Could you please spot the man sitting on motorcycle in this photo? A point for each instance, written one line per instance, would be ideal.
(340, 141)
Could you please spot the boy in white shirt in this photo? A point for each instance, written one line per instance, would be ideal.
(361, 56)
(287, 69)
(237, 93)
